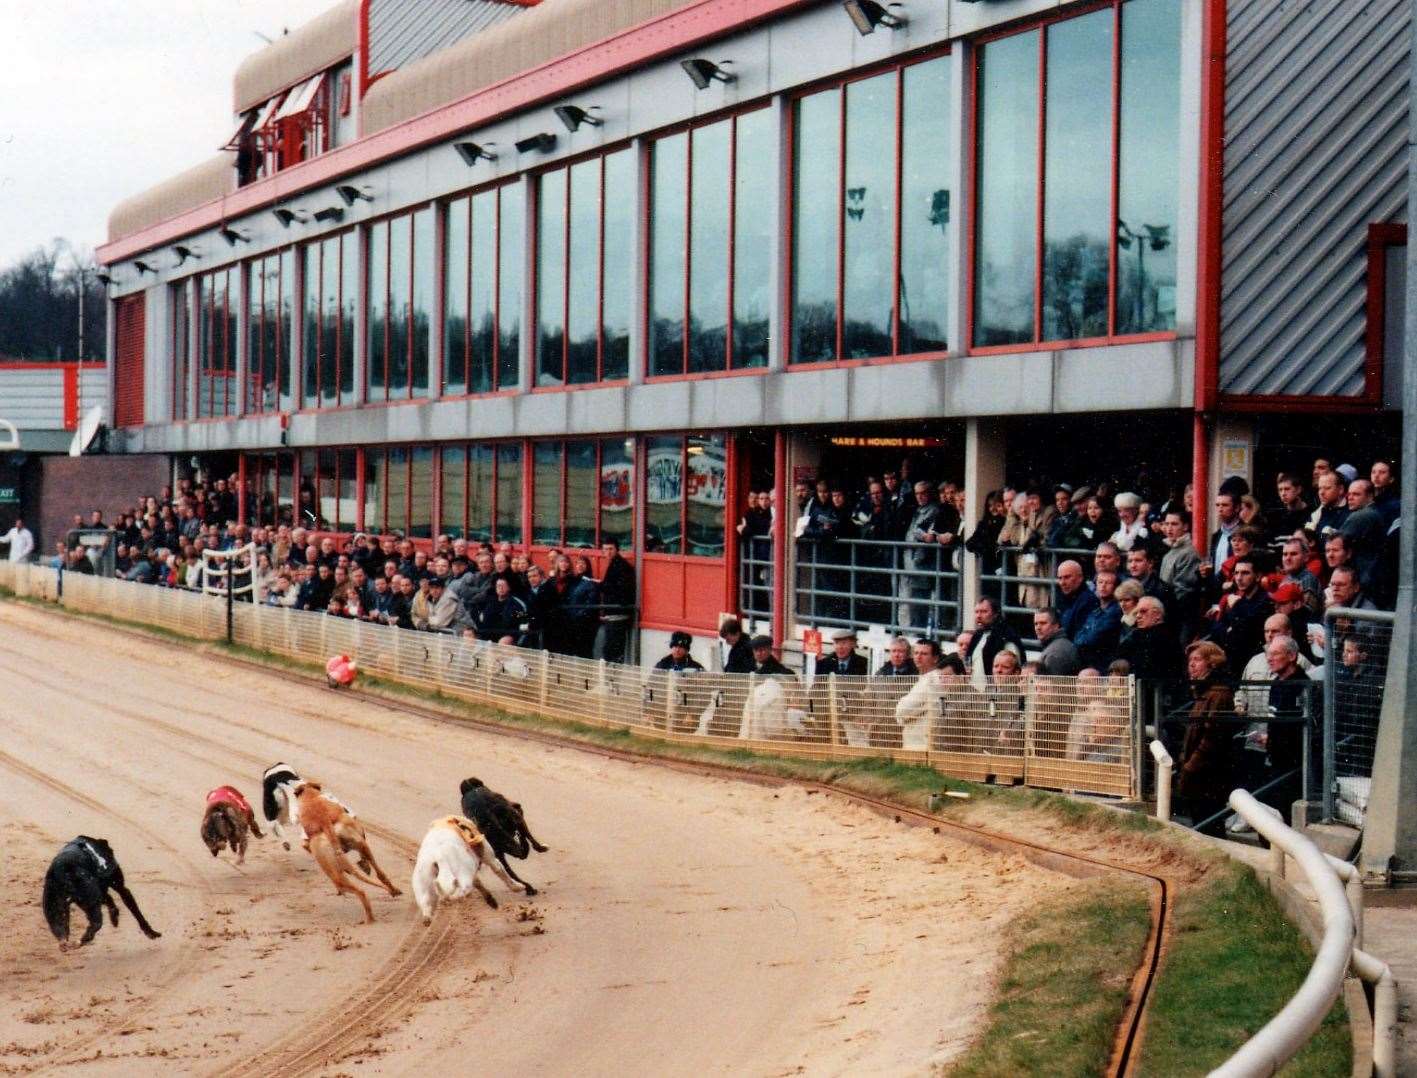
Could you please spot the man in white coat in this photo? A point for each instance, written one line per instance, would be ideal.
(20, 541)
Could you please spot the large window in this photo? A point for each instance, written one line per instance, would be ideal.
(398, 491)
(582, 492)
(1077, 147)
(710, 246)
(685, 491)
(482, 492)
(181, 347)
(331, 295)
(584, 283)
(401, 269)
(871, 222)
(329, 480)
(483, 256)
(218, 304)
(270, 294)
(270, 486)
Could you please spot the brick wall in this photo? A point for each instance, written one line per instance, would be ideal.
(70, 485)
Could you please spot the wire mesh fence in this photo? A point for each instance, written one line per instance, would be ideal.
(908, 588)
(1053, 732)
(1356, 645)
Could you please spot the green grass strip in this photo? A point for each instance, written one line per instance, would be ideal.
(1068, 964)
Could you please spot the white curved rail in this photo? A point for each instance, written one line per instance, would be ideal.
(217, 578)
(1164, 766)
(1291, 1028)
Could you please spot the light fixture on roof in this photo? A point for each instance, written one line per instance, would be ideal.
(352, 194)
(142, 267)
(544, 142)
(233, 236)
(867, 15)
(285, 216)
(104, 278)
(183, 252)
(573, 116)
(472, 152)
(329, 213)
(704, 72)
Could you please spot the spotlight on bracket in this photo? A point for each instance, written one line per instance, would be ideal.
(867, 15)
(287, 216)
(544, 142)
(573, 116)
(183, 252)
(351, 194)
(704, 72)
(104, 278)
(233, 236)
(472, 152)
(142, 267)
(329, 213)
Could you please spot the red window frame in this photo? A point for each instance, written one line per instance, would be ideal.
(642, 488)
(1042, 24)
(441, 271)
(320, 480)
(409, 450)
(310, 398)
(208, 337)
(534, 214)
(256, 326)
(1381, 238)
(529, 454)
(435, 314)
(840, 84)
(440, 522)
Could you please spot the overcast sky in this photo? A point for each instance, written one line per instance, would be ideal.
(100, 99)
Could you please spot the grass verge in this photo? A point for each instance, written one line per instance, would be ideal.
(1232, 963)
(1064, 983)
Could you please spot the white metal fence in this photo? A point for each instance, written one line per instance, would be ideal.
(1058, 733)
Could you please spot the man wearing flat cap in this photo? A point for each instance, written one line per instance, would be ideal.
(844, 658)
(764, 662)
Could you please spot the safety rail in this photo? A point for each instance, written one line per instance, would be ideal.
(1057, 733)
(755, 569)
(1340, 908)
(909, 588)
(1355, 650)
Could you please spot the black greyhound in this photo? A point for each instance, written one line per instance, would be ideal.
(83, 872)
(502, 824)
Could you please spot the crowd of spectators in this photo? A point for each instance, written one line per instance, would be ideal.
(473, 589)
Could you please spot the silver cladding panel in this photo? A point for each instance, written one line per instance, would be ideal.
(1315, 150)
(401, 31)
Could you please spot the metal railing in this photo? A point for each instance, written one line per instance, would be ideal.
(1058, 733)
(1026, 581)
(755, 570)
(1356, 644)
(907, 588)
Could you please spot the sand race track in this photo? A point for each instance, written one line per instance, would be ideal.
(686, 924)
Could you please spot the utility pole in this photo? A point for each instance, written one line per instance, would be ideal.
(1390, 826)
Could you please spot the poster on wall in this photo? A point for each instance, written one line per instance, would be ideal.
(617, 487)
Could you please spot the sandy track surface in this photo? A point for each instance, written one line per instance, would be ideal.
(686, 924)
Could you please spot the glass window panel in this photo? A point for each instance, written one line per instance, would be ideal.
(424, 271)
(204, 341)
(483, 311)
(348, 316)
(456, 261)
(583, 275)
(275, 332)
(664, 495)
(181, 348)
(479, 493)
(926, 207)
(310, 365)
(617, 300)
(377, 291)
(617, 491)
(420, 493)
(551, 279)
(669, 174)
(255, 335)
(546, 493)
(869, 289)
(285, 488)
(329, 323)
(400, 304)
(396, 479)
(582, 486)
(286, 330)
(231, 339)
(453, 498)
(706, 486)
(374, 490)
(1006, 228)
(1077, 177)
(348, 492)
(511, 239)
(1148, 165)
(755, 174)
(816, 225)
(509, 493)
(326, 493)
(708, 257)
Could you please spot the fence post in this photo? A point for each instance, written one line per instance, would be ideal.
(1329, 717)
(230, 606)
(1307, 755)
(833, 726)
(545, 682)
(670, 692)
(602, 691)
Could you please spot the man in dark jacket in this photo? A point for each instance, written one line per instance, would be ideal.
(502, 617)
(898, 663)
(1240, 629)
(992, 634)
(617, 596)
(1075, 599)
(844, 658)
(736, 652)
(764, 661)
(679, 660)
(541, 600)
(1288, 692)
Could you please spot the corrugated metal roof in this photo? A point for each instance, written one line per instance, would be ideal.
(401, 31)
(1316, 149)
(322, 42)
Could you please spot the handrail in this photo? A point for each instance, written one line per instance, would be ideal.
(1289, 1030)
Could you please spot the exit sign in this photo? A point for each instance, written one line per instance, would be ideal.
(9, 495)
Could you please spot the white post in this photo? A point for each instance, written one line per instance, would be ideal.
(1164, 766)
